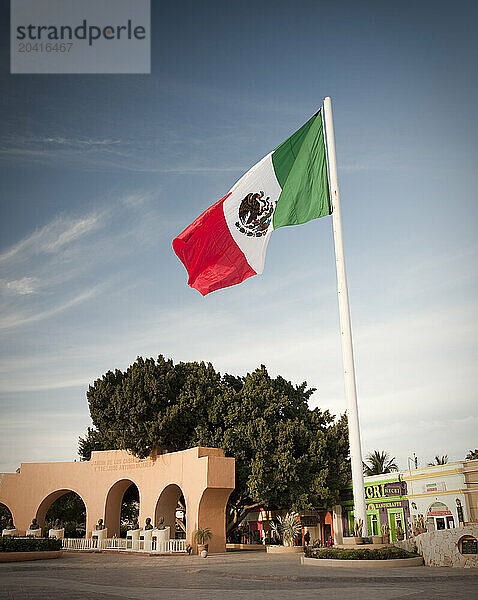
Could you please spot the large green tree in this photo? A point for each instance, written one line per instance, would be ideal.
(287, 455)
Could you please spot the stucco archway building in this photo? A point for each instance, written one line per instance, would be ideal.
(204, 476)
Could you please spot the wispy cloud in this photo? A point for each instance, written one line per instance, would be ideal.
(51, 238)
(18, 319)
(62, 265)
(107, 154)
(21, 287)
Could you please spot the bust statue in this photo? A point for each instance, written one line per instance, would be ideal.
(34, 525)
(100, 525)
(161, 523)
(148, 524)
(10, 525)
(57, 525)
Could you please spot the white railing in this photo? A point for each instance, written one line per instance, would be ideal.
(114, 544)
(172, 546)
(168, 547)
(77, 543)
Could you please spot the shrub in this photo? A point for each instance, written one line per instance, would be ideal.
(202, 536)
(287, 528)
(388, 552)
(13, 544)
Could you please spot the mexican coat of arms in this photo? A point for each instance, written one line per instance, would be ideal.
(255, 214)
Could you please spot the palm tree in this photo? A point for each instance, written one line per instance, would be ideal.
(438, 460)
(378, 462)
(472, 454)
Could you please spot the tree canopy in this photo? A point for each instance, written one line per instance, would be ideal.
(472, 454)
(287, 454)
(378, 462)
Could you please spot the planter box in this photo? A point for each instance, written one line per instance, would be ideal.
(358, 540)
(21, 556)
(391, 563)
(348, 541)
(284, 549)
(248, 547)
(377, 539)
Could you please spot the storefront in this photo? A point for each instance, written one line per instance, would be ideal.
(257, 527)
(438, 493)
(387, 504)
(439, 516)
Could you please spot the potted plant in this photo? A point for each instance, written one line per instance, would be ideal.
(290, 528)
(201, 538)
(385, 533)
(358, 527)
(286, 529)
(400, 533)
(418, 525)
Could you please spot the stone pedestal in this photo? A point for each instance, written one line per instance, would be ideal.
(10, 532)
(159, 538)
(132, 539)
(59, 534)
(145, 536)
(97, 536)
(338, 524)
(33, 533)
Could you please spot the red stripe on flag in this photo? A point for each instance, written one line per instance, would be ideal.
(212, 258)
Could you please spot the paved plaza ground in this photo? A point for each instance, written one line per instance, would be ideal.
(234, 576)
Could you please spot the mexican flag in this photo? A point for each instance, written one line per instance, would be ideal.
(289, 186)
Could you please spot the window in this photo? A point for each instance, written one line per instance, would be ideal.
(374, 522)
(440, 523)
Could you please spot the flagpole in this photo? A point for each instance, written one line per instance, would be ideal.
(360, 508)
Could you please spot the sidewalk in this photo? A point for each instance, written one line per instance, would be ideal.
(231, 576)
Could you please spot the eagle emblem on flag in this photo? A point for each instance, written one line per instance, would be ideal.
(255, 214)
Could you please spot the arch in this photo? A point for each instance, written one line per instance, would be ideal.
(114, 499)
(45, 504)
(101, 482)
(440, 516)
(166, 506)
(5, 515)
(438, 509)
(212, 514)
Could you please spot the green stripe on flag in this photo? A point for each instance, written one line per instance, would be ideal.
(284, 155)
(300, 165)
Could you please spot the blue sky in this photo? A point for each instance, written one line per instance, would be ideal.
(99, 173)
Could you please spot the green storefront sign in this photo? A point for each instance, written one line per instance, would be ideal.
(387, 504)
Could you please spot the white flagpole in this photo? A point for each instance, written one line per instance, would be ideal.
(360, 508)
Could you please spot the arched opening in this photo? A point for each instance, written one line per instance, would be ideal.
(439, 516)
(6, 517)
(171, 508)
(122, 507)
(67, 507)
(212, 515)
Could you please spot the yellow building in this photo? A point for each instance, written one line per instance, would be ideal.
(470, 471)
(446, 495)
